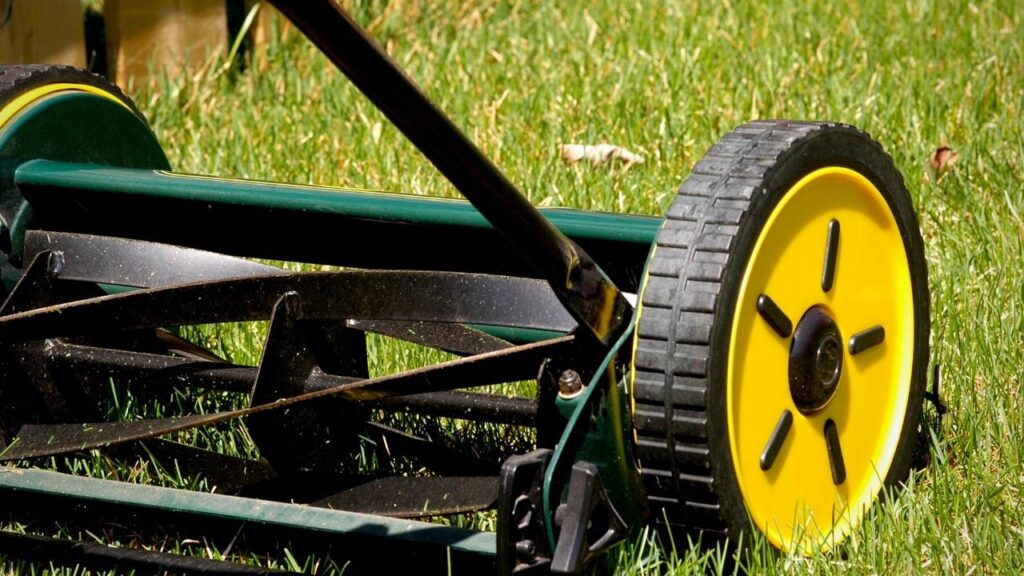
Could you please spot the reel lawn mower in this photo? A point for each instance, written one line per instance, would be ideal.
(768, 376)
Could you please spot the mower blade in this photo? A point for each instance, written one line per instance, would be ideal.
(81, 362)
(455, 338)
(417, 497)
(377, 295)
(110, 260)
(90, 362)
(170, 343)
(468, 406)
(141, 264)
(517, 363)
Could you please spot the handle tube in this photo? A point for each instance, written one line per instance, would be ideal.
(583, 288)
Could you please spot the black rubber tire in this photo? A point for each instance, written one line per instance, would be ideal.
(690, 300)
(16, 79)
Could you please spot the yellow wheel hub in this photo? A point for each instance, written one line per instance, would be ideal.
(820, 358)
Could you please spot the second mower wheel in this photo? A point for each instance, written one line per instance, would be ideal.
(783, 338)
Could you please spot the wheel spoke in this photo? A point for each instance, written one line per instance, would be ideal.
(866, 339)
(776, 440)
(835, 453)
(828, 275)
(774, 316)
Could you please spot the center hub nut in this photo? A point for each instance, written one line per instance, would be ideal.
(815, 360)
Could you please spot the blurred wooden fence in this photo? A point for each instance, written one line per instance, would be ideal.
(43, 31)
(134, 37)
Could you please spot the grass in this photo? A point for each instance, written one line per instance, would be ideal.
(666, 80)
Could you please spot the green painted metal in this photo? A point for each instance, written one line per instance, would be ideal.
(72, 127)
(48, 483)
(383, 206)
(518, 335)
(600, 431)
(81, 127)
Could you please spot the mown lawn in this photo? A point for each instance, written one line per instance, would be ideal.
(666, 80)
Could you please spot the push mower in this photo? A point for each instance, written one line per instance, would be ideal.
(753, 362)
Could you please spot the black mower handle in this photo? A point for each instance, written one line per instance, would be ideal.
(583, 288)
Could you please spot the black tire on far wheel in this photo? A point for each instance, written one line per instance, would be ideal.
(17, 79)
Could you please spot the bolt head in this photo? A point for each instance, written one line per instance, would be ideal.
(828, 361)
(526, 548)
(569, 383)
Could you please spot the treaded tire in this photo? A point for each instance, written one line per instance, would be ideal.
(690, 299)
(16, 79)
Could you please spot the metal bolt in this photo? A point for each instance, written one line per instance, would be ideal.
(828, 361)
(569, 384)
(526, 548)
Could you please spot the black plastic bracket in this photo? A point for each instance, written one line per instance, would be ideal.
(522, 533)
(588, 522)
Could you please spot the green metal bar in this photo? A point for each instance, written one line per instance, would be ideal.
(388, 207)
(48, 483)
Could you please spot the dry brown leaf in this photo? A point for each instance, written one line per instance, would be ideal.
(599, 154)
(943, 158)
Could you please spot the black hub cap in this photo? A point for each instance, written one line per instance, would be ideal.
(815, 360)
